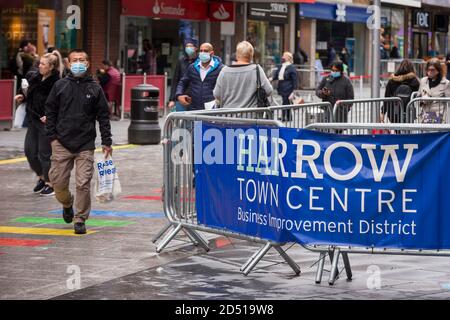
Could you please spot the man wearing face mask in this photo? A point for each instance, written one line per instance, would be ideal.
(189, 56)
(336, 87)
(201, 76)
(73, 106)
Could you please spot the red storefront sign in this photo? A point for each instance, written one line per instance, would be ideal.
(11, 4)
(166, 9)
(221, 11)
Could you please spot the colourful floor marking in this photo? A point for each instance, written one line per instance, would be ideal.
(8, 242)
(222, 242)
(122, 214)
(149, 198)
(92, 223)
(41, 231)
(23, 159)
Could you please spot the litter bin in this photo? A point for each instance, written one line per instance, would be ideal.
(144, 127)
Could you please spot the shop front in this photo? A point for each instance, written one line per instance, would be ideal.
(339, 25)
(46, 24)
(266, 27)
(393, 33)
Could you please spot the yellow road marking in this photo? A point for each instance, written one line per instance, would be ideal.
(41, 231)
(23, 159)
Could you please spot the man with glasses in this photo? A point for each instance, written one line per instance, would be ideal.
(201, 77)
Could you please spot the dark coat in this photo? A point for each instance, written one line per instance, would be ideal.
(38, 92)
(180, 70)
(341, 89)
(394, 82)
(201, 91)
(290, 82)
(72, 108)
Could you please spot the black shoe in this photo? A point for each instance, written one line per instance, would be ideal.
(39, 186)
(80, 228)
(47, 191)
(68, 214)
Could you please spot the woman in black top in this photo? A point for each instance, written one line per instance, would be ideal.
(37, 146)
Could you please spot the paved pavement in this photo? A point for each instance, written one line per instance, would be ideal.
(41, 259)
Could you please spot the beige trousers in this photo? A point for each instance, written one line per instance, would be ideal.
(62, 164)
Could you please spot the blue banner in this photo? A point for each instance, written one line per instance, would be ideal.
(288, 185)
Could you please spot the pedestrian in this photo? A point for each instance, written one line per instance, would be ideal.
(447, 64)
(434, 85)
(72, 108)
(401, 84)
(22, 62)
(149, 58)
(111, 88)
(331, 55)
(37, 145)
(336, 87)
(188, 57)
(345, 56)
(201, 77)
(66, 69)
(287, 77)
(237, 84)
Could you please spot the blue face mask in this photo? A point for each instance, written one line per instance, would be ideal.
(190, 51)
(336, 74)
(204, 57)
(78, 68)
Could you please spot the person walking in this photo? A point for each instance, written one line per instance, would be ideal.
(189, 57)
(237, 84)
(201, 76)
(286, 74)
(37, 146)
(74, 105)
(434, 85)
(111, 88)
(402, 84)
(336, 87)
(447, 64)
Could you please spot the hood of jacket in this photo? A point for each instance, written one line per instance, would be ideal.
(403, 77)
(217, 62)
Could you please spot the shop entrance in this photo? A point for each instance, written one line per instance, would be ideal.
(420, 45)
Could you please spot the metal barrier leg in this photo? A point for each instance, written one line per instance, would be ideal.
(245, 265)
(168, 238)
(348, 268)
(197, 238)
(161, 232)
(334, 267)
(288, 259)
(320, 267)
(261, 253)
(193, 240)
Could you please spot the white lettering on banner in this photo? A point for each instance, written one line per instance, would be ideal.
(363, 191)
(259, 190)
(309, 158)
(405, 200)
(329, 167)
(288, 198)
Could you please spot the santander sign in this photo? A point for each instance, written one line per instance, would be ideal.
(168, 10)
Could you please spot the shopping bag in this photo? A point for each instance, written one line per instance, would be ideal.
(19, 116)
(107, 184)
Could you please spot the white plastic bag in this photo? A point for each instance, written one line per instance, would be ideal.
(107, 184)
(19, 116)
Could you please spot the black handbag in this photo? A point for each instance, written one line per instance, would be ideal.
(261, 95)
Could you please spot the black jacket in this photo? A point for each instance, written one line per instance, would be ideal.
(183, 63)
(394, 82)
(38, 92)
(341, 89)
(290, 82)
(72, 108)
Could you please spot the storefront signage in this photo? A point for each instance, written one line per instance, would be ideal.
(166, 9)
(421, 19)
(334, 12)
(272, 12)
(221, 11)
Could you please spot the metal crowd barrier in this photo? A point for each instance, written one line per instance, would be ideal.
(179, 186)
(335, 252)
(428, 110)
(365, 110)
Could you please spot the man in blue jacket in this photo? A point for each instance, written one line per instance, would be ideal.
(201, 77)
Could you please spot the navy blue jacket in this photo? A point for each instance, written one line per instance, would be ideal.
(290, 82)
(201, 91)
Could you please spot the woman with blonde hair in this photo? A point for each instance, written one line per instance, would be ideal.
(287, 77)
(237, 84)
(37, 146)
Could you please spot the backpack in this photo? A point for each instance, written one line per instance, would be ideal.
(404, 92)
